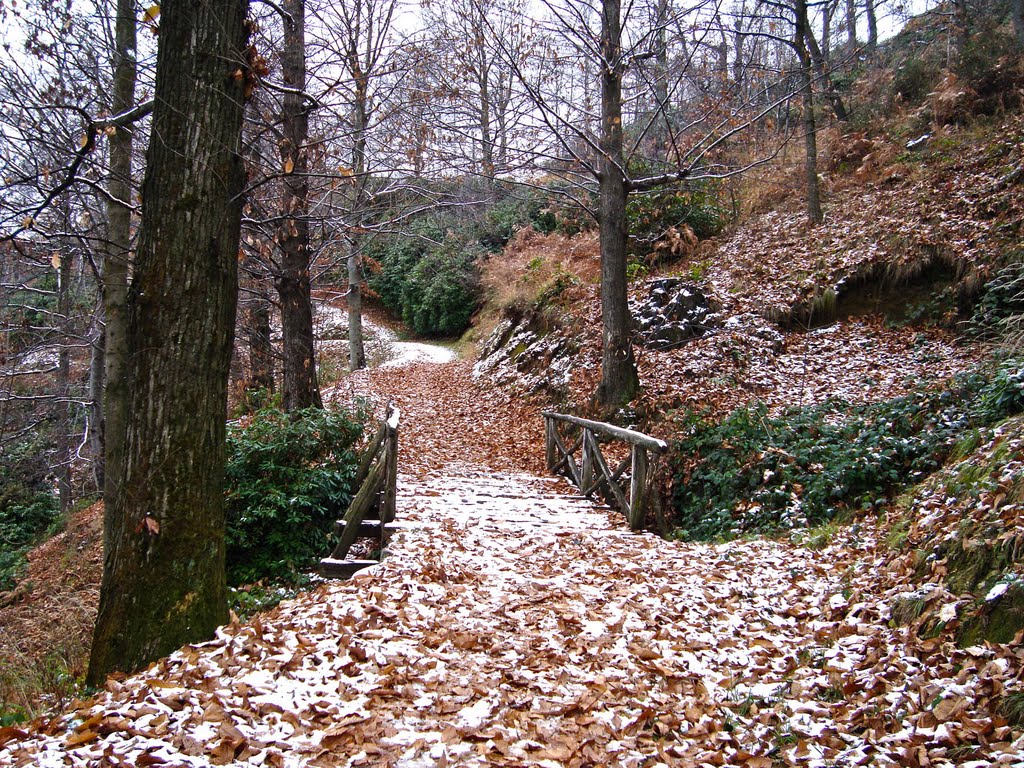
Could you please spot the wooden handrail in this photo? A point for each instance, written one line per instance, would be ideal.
(610, 430)
(376, 484)
(592, 473)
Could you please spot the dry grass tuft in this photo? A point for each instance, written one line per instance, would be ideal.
(531, 265)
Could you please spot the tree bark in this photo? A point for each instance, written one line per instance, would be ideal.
(65, 445)
(301, 388)
(1017, 12)
(824, 72)
(163, 574)
(851, 23)
(356, 352)
(662, 126)
(360, 119)
(739, 65)
(261, 355)
(95, 395)
(869, 7)
(116, 260)
(801, 31)
(619, 380)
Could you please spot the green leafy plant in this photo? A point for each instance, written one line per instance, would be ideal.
(804, 467)
(441, 293)
(288, 477)
(636, 270)
(650, 215)
(28, 505)
(429, 277)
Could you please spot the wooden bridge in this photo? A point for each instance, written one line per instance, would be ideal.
(372, 511)
(566, 435)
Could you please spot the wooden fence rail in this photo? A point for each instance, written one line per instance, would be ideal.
(372, 510)
(592, 473)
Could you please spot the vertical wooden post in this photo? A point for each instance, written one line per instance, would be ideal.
(391, 462)
(587, 472)
(549, 441)
(638, 488)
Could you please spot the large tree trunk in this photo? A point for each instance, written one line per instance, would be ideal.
(163, 572)
(301, 389)
(619, 381)
(116, 260)
(802, 28)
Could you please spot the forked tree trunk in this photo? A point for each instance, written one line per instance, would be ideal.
(163, 572)
(301, 389)
(619, 380)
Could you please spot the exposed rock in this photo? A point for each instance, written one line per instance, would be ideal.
(525, 353)
(673, 313)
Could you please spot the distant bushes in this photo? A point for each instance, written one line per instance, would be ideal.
(286, 479)
(429, 277)
(752, 472)
(429, 274)
(651, 215)
(28, 504)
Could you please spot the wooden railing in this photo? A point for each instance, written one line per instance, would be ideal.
(591, 473)
(372, 509)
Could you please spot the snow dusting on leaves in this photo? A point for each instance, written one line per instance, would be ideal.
(515, 624)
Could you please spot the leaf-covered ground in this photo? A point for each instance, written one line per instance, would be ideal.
(514, 624)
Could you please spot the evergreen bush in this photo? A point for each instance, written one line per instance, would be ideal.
(651, 215)
(288, 478)
(28, 503)
(752, 472)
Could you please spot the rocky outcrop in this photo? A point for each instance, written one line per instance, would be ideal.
(527, 352)
(673, 312)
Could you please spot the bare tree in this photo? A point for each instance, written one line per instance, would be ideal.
(301, 388)
(697, 128)
(110, 395)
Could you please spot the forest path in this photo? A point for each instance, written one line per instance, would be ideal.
(515, 624)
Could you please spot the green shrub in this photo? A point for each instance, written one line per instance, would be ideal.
(288, 477)
(441, 291)
(650, 215)
(429, 277)
(28, 504)
(752, 472)
(916, 77)
(1001, 304)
